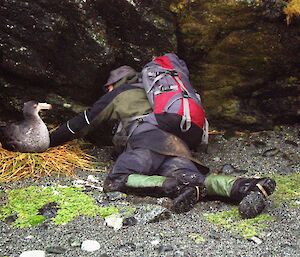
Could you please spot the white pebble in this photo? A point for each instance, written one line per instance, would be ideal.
(92, 178)
(155, 242)
(34, 253)
(114, 221)
(90, 245)
(256, 240)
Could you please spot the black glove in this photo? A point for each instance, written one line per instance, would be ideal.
(63, 134)
(60, 136)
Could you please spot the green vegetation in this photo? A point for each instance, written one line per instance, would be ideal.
(72, 202)
(197, 238)
(232, 221)
(287, 189)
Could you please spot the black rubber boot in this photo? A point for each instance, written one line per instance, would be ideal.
(184, 196)
(187, 198)
(252, 205)
(244, 186)
(251, 194)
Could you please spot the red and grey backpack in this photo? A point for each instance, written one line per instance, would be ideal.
(176, 105)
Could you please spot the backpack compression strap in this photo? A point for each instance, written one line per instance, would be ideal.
(186, 120)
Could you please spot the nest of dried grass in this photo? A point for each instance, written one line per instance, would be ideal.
(62, 160)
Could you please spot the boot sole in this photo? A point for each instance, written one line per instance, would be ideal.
(252, 205)
(185, 202)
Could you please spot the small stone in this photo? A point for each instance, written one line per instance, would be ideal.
(290, 142)
(165, 248)
(130, 221)
(79, 182)
(128, 247)
(270, 152)
(214, 234)
(258, 143)
(179, 254)
(34, 253)
(152, 213)
(114, 221)
(92, 178)
(49, 210)
(227, 168)
(10, 219)
(217, 159)
(115, 196)
(230, 169)
(55, 249)
(155, 242)
(90, 245)
(256, 240)
(74, 242)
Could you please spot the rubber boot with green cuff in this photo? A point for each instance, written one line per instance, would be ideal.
(219, 185)
(184, 197)
(251, 193)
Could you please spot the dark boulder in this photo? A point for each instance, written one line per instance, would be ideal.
(242, 55)
(244, 58)
(66, 48)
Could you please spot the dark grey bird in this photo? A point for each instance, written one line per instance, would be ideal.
(29, 135)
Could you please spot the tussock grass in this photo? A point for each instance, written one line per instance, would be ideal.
(292, 10)
(58, 160)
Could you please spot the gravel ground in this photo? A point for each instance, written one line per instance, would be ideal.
(257, 154)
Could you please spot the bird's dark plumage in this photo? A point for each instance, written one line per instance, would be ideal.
(29, 135)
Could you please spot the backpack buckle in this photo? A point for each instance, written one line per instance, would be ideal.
(167, 88)
(140, 120)
(185, 94)
(172, 73)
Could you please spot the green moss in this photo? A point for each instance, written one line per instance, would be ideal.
(287, 189)
(197, 238)
(249, 119)
(72, 202)
(232, 221)
(292, 80)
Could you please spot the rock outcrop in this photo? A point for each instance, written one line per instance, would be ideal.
(242, 56)
(68, 47)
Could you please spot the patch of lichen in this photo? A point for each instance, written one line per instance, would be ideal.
(287, 189)
(204, 23)
(71, 201)
(247, 49)
(292, 10)
(232, 221)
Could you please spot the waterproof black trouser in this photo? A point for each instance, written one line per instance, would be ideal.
(146, 162)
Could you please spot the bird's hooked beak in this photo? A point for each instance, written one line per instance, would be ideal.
(44, 106)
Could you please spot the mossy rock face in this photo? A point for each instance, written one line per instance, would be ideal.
(68, 47)
(242, 52)
(239, 52)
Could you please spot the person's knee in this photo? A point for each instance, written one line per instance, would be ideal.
(190, 177)
(114, 182)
